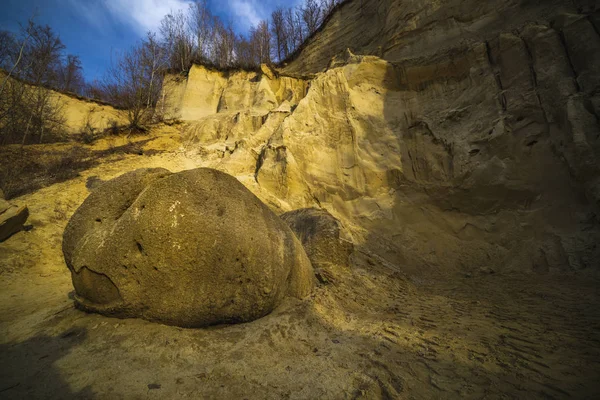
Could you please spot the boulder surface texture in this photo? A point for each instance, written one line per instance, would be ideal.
(192, 249)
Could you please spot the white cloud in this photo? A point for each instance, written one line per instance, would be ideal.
(144, 15)
(246, 13)
(141, 15)
(92, 12)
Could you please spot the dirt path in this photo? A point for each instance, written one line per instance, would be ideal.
(372, 332)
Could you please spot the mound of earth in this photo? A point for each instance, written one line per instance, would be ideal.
(191, 249)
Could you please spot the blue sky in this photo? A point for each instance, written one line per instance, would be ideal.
(97, 29)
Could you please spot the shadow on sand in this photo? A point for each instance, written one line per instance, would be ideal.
(28, 369)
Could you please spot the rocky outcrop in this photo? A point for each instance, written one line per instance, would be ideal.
(319, 233)
(206, 92)
(419, 29)
(12, 218)
(192, 249)
(445, 136)
(544, 56)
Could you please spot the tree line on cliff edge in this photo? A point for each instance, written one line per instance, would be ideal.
(35, 59)
(134, 80)
(196, 36)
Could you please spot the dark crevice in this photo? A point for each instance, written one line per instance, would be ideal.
(534, 79)
(594, 26)
(531, 63)
(140, 248)
(563, 41)
(260, 161)
(220, 103)
(126, 207)
(496, 71)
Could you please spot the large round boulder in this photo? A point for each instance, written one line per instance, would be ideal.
(192, 249)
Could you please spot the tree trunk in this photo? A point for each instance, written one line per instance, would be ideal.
(27, 130)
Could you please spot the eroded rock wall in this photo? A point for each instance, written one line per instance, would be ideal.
(78, 114)
(82, 113)
(545, 56)
(448, 136)
(403, 30)
(205, 92)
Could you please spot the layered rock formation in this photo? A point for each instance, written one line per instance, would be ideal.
(192, 249)
(446, 136)
(544, 55)
(206, 92)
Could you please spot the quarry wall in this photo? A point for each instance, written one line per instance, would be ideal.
(444, 134)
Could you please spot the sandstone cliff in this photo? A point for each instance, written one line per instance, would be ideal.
(543, 55)
(466, 138)
(81, 112)
(441, 176)
(77, 112)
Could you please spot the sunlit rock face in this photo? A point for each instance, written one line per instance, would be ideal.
(445, 136)
(526, 72)
(206, 92)
(191, 249)
(78, 113)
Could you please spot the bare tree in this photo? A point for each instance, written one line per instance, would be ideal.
(224, 44)
(42, 56)
(127, 84)
(311, 15)
(177, 40)
(28, 110)
(154, 62)
(11, 56)
(327, 6)
(201, 24)
(70, 76)
(244, 53)
(280, 33)
(42, 59)
(8, 44)
(295, 29)
(260, 37)
(95, 90)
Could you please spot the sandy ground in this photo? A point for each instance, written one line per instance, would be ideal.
(373, 331)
